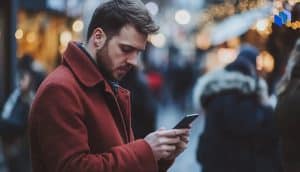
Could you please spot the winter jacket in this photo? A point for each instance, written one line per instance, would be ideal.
(288, 118)
(239, 133)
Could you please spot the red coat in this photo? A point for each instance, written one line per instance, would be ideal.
(77, 124)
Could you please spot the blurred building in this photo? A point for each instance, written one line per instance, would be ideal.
(44, 27)
(40, 28)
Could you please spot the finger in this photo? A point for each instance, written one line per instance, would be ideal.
(185, 135)
(174, 132)
(185, 139)
(169, 140)
(161, 129)
(181, 146)
(165, 154)
(168, 148)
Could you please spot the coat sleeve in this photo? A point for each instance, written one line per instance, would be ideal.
(58, 124)
(163, 165)
(246, 116)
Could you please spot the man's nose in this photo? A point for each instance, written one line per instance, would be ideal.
(133, 60)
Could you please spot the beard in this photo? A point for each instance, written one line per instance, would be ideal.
(106, 65)
(101, 55)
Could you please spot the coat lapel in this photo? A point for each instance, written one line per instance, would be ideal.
(123, 97)
(116, 108)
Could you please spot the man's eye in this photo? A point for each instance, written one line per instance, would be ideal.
(127, 49)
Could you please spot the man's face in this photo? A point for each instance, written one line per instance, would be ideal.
(121, 52)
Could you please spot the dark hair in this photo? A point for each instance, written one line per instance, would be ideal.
(111, 16)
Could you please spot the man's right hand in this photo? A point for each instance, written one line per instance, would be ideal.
(163, 142)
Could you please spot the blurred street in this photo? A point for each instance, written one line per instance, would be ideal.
(223, 59)
(167, 117)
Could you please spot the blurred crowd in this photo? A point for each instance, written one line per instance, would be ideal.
(249, 116)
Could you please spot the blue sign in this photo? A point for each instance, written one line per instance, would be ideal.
(282, 18)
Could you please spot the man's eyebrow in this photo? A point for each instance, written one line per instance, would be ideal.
(139, 49)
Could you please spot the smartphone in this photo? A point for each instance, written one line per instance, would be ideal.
(185, 122)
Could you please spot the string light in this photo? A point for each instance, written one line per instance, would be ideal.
(31, 37)
(265, 62)
(19, 34)
(158, 40)
(294, 25)
(221, 11)
(182, 17)
(78, 26)
(65, 37)
(152, 8)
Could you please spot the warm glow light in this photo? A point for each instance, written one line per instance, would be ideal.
(65, 38)
(182, 17)
(293, 2)
(275, 11)
(278, 5)
(265, 62)
(262, 25)
(226, 55)
(233, 43)
(31, 37)
(158, 40)
(78, 26)
(203, 41)
(19, 34)
(294, 25)
(152, 8)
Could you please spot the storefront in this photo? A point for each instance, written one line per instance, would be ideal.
(44, 29)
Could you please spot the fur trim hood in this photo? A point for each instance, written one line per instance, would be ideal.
(222, 80)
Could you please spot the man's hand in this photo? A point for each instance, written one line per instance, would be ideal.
(180, 147)
(167, 144)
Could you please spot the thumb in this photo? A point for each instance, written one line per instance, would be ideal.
(161, 128)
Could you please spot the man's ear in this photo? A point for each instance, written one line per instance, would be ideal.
(99, 38)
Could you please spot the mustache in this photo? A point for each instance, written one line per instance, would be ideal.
(126, 67)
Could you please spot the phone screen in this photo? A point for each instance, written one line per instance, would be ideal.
(184, 123)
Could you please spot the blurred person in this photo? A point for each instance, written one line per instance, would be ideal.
(143, 104)
(154, 67)
(288, 110)
(38, 72)
(239, 133)
(80, 118)
(280, 43)
(13, 122)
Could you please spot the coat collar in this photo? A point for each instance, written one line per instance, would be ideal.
(85, 70)
(222, 80)
(82, 67)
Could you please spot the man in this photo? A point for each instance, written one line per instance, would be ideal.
(80, 118)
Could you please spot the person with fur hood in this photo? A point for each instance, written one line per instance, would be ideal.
(239, 133)
(287, 112)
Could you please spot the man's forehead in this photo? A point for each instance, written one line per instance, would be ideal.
(128, 35)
